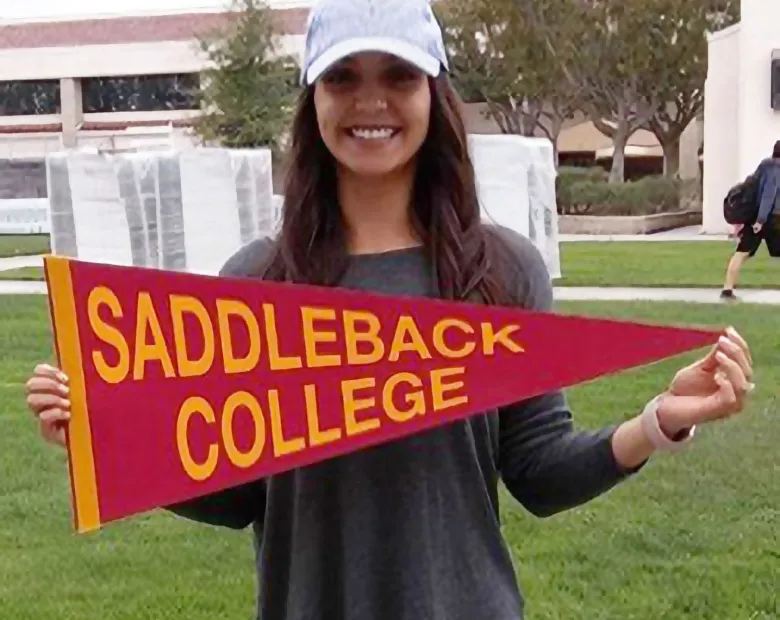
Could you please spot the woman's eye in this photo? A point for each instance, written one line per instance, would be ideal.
(339, 77)
(402, 75)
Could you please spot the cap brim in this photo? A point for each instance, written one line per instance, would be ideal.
(396, 47)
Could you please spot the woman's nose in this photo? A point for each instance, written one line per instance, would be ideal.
(371, 97)
(372, 103)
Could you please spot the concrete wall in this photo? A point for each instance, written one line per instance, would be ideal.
(759, 125)
(29, 145)
(740, 125)
(22, 179)
(721, 126)
(44, 63)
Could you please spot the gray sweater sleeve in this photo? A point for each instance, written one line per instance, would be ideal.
(239, 506)
(545, 463)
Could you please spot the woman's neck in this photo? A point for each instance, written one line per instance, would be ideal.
(377, 212)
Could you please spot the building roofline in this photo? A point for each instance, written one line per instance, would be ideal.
(279, 5)
(83, 17)
(169, 26)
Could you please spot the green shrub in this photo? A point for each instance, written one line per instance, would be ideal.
(581, 173)
(578, 194)
(570, 177)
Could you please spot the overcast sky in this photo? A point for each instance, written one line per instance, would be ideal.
(27, 9)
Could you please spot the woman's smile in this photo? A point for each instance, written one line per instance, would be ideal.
(373, 133)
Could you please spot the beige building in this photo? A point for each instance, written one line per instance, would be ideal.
(117, 82)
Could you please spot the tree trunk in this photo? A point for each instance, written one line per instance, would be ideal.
(671, 151)
(619, 141)
(496, 112)
(512, 120)
(555, 133)
(530, 122)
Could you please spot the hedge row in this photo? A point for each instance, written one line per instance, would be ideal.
(585, 191)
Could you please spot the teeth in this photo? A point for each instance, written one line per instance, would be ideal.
(373, 134)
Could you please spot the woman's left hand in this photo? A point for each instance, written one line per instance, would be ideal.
(712, 388)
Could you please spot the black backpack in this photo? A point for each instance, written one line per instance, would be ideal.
(741, 203)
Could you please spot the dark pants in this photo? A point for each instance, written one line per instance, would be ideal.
(750, 242)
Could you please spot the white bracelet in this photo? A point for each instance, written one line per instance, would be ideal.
(655, 434)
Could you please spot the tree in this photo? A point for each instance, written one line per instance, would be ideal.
(248, 91)
(603, 49)
(496, 58)
(680, 66)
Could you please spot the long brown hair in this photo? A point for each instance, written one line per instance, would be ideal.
(463, 252)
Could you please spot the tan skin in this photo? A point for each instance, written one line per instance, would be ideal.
(375, 188)
(373, 91)
(736, 263)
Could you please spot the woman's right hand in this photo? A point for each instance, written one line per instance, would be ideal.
(48, 398)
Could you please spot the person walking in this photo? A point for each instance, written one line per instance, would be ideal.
(381, 196)
(765, 229)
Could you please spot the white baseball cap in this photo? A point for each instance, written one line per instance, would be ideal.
(407, 29)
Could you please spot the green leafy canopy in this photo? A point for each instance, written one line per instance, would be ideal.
(250, 87)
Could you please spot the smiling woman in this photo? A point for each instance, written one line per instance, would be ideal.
(381, 195)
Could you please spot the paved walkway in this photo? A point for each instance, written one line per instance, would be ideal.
(18, 262)
(22, 287)
(687, 233)
(693, 295)
(583, 293)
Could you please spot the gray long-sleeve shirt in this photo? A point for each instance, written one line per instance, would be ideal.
(410, 530)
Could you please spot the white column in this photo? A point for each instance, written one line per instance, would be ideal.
(72, 111)
(721, 126)
(759, 124)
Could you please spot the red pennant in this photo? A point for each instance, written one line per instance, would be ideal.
(182, 384)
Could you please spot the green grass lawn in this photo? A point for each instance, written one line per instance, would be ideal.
(590, 263)
(693, 537)
(661, 263)
(23, 273)
(23, 245)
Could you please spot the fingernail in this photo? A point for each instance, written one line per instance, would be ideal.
(64, 389)
(724, 340)
(66, 404)
(751, 387)
(63, 377)
(720, 356)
